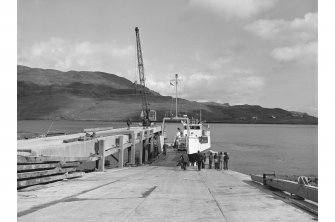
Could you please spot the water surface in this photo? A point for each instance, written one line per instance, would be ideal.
(258, 148)
(253, 148)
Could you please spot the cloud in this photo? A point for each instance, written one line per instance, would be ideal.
(298, 29)
(57, 53)
(219, 63)
(228, 87)
(302, 52)
(215, 77)
(234, 8)
(296, 39)
(235, 86)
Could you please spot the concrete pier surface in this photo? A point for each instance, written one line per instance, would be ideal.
(159, 192)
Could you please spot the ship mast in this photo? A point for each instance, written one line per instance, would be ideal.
(176, 81)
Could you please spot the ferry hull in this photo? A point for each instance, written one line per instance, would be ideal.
(198, 144)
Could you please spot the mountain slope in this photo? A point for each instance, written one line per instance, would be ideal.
(49, 94)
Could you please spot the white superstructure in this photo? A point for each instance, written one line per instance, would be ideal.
(199, 138)
(194, 137)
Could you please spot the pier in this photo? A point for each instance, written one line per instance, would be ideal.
(141, 190)
(104, 143)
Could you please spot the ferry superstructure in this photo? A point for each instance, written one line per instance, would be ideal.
(194, 137)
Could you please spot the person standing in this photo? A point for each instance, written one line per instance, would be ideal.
(225, 161)
(221, 161)
(128, 123)
(164, 148)
(199, 160)
(210, 159)
(216, 161)
(204, 160)
(184, 161)
(178, 135)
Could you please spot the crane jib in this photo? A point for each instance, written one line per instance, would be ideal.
(148, 115)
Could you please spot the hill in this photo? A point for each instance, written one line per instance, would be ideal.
(83, 95)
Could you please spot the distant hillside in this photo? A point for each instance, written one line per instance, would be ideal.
(49, 94)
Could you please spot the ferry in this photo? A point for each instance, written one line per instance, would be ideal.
(194, 135)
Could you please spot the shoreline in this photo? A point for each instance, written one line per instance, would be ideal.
(210, 122)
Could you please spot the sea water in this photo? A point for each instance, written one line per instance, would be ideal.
(265, 148)
(253, 148)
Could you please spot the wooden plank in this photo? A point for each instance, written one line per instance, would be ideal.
(25, 183)
(55, 134)
(114, 157)
(40, 159)
(111, 151)
(37, 166)
(23, 153)
(126, 145)
(85, 138)
(98, 129)
(24, 150)
(307, 192)
(257, 178)
(28, 167)
(115, 133)
(27, 175)
(305, 207)
(71, 140)
(70, 164)
(308, 206)
(74, 174)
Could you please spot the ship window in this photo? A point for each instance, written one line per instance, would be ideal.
(195, 127)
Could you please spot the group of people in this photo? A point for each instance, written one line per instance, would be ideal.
(220, 160)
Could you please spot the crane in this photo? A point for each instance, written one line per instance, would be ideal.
(147, 114)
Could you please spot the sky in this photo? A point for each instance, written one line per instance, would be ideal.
(257, 52)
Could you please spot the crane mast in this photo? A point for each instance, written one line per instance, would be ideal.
(145, 104)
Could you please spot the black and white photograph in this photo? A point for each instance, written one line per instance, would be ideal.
(166, 110)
